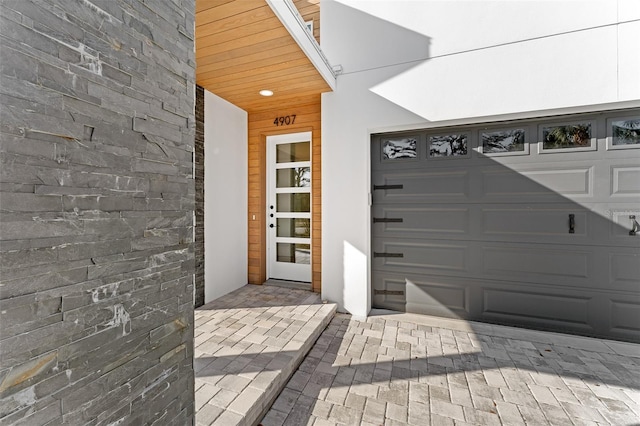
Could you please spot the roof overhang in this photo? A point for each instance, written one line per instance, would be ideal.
(244, 46)
(286, 11)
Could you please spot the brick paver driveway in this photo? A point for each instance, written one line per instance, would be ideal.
(418, 370)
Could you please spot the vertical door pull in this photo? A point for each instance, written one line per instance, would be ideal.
(572, 223)
(634, 225)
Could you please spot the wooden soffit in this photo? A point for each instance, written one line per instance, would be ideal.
(242, 47)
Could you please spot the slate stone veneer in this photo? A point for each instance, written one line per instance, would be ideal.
(97, 205)
(199, 176)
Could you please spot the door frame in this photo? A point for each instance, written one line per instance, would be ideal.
(270, 141)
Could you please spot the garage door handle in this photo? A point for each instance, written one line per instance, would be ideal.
(388, 254)
(387, 220)
(389, 292)
(572, 223)
(387, 187)
(634, 225)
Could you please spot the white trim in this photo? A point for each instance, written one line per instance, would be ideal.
(295, 272)
(287, 13)
(507, 117)
(292, 137)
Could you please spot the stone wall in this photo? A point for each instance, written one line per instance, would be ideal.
(97, 204)
(199, 176)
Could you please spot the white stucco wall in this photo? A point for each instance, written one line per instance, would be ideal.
(418, 64)
(225, 197)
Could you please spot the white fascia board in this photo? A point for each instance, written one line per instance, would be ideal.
(580, 109)
(287, 13)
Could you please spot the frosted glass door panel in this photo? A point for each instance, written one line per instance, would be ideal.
(293, 228)
(293, 152)
(294, 177)
(294, 202)
(294, 253)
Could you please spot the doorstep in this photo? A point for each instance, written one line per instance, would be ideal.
(247, 345)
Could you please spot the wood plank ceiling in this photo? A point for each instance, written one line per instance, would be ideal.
(242, 48)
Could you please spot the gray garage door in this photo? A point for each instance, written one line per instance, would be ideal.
(526, 223)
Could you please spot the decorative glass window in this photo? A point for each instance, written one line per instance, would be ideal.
(393, 149)
(503, 142)
(452, 145)
(624, 133)
(567, 137)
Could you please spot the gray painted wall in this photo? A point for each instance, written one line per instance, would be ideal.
(97, 201)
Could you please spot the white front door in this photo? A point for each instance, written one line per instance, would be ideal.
(289, 206)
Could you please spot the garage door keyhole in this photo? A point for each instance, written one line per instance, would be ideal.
(572, 223)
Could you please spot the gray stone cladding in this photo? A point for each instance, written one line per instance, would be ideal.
(199, 176)
(96, 212)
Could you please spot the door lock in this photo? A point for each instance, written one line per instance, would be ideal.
(634, 225)
(572, 223)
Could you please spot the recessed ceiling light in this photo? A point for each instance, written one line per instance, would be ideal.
(266, 93)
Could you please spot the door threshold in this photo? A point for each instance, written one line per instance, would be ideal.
(295, 285)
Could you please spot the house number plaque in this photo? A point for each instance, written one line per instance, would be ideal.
(285, 120)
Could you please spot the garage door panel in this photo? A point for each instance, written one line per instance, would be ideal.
(594, 224)
(419, 221)
(437, 298)
(568, 264)
(556, 308)
(624, 270)
(560, 311)
(548, 183)
(625, 181)
(616, 269)
(536, 223)
(591, 312)
(421, 186)
(611, 223)
(533, 223)
(428, 295)
(412, 256)
(389, 292)
(625, 316)
(572, 266)
(539, 183)
(621, 222)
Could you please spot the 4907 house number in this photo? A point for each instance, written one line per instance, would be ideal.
(285, 120)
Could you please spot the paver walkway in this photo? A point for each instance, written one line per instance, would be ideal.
(420, 370)
(247, 345)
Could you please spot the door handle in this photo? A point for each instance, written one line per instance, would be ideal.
(271, 225)
(572, 223)
(634, 225)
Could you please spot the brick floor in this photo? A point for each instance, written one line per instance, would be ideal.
(247, 346)
(399, 369)
(420, 370)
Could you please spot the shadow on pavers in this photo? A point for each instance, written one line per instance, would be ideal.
(373, 363)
